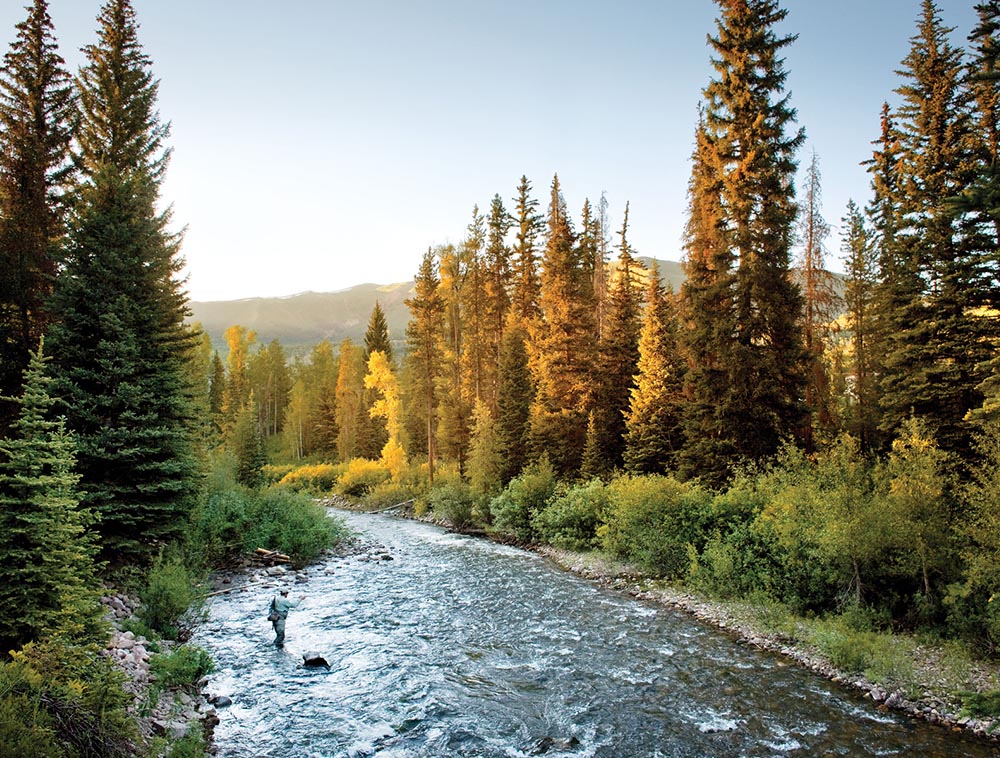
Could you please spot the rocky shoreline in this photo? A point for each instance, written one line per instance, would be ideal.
(736, 620)
(176, 710)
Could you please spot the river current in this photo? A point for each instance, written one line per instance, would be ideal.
(461, 647)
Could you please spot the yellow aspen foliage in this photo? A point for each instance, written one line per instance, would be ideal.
(381, 378)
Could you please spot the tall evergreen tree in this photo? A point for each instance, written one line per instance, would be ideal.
(861, 269)
(47, 576)
(707, 314)
(37, 107)
(475, 352)
(563, 350)
(120, 345)
(515, 395)
(819, 301)
(423, 337)
(654, 435)
(496, 297)
(941, 336)
(747, 122)
(455, 409)
(530, 224)
(216, 392)
(618, 357)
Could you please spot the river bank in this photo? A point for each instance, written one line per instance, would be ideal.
(931, 692)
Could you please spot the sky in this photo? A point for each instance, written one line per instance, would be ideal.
(320, 144)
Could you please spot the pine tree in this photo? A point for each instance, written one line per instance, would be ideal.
(819, 302)
(749, 157)
(941, 336)
(216, 392)
(618, 358)
(861, 268)
(247, 445)
(120, 345)
(475, 351)
(455, 410)
(654, 435)
(708, 317)
(563, 350)
(47, 570)
(516, 393)
(37, 107)
(423, 337)
(524, 301)
(495, 295)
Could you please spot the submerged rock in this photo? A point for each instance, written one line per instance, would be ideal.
(313, 659)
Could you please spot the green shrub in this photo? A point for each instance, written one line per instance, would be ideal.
(652, 520)
(218, 525)
(291, 523)
(59, 700)
(572, 515)
(513, 509)
(182, 667)
(361, 476)
(172, 602)
(879, 657)
(273, 473)
(191, 745)
(981, 704)
(317, 478)
(454, 503)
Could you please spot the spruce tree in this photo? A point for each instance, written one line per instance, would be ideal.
(563, 349)
(708, 320)
(455, 410)
(654, 435)
(495, 295)
(119, 347)
(47, 570)
(423, 338)
(941, 335)
(37, 108)
(752, 155)
(516, 392)
(819, 302)
(530, 224)
(859, 290)
(475, 353)
(618, 357)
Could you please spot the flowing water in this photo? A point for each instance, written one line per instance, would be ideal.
(461, 647)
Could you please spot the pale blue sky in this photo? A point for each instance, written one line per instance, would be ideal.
(322, 144)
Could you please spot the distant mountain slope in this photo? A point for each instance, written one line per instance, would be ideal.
(300, 321)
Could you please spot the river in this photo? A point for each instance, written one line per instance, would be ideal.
(461, 647)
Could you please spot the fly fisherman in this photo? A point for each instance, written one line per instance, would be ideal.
(280, 606)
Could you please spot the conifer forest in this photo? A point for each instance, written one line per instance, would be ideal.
(828, 442)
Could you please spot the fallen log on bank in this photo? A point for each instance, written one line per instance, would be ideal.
(270, 557)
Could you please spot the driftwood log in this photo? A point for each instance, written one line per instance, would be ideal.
(270, 557)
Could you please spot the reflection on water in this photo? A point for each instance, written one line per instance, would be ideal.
(460, 647)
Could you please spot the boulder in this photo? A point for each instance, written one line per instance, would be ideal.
(313, 659)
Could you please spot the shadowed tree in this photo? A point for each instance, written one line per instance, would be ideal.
(37, 113)
(120, 346)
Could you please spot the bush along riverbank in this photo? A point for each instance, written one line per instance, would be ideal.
(937, 682)
(923, 676)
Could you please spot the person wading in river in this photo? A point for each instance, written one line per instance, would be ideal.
(280, 606)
